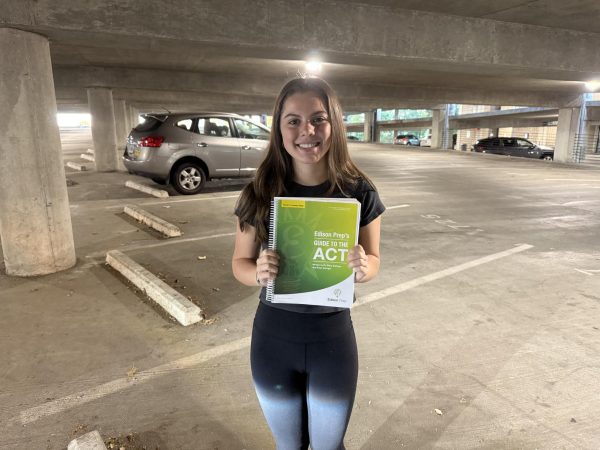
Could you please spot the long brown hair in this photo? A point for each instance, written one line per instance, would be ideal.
(276, 168)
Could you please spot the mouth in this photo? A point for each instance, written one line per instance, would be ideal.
(308, 145)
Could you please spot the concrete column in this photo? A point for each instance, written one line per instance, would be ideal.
(135, 113)
(121, 120)
(568, 126)
(369, 130)
(590, 136)
(495, 131)
(104, 133)
(35, 221)
(439, 128)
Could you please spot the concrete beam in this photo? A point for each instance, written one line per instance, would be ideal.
(167, 80)
(353, 96)
(161, 101)
(499, 123)
(172, 87)
(481, 44)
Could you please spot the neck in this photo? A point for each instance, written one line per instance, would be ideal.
(310, 174)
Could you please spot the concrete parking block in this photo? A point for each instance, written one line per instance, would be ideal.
(76, 166)
(168, 298)
(89, 441)
(90, 151)
(166, 228)
(147, 189)
(87, 157)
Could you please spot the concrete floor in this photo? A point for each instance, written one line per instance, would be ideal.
(481, 332)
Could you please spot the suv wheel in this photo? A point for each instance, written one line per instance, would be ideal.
(547, 158)
(188, 178)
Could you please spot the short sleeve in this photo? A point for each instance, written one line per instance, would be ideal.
(238, 212)
(371, 205)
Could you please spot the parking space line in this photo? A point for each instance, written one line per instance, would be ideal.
(181, 200)
(597, 180)
(396, 207)
(439, 275)
(80, 398)
(127, 248)
(71, 401)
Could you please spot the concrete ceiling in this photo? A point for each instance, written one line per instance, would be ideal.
(235, 55)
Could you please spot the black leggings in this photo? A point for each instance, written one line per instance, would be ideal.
(304, 368)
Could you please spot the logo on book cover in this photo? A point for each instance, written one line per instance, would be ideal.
(337, 293)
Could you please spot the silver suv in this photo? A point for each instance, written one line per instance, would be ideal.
(185, 150)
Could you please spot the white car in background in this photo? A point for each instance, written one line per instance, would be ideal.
(426, 142)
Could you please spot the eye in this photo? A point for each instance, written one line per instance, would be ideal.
(293, 122)
(319, 120)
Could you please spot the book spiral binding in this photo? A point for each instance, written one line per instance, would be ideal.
(272, 245)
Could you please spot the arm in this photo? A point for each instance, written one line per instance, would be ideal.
(247, 269)
(363, 258)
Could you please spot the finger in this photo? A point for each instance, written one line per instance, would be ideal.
(361, 261)
(269, 253)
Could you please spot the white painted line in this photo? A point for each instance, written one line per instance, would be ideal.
(166, 228)
(164, 295)
(88, 395)
(82, 397)
(588, 271)
(160, 244)
(438, 275)
(146, 189)
(578, 202)
(76, 166)
(396, 207)
(87, 157)
(194, 199)
(597, 180)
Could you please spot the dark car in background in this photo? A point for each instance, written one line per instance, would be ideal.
(185, 150)
(407, 139)
(513, 146)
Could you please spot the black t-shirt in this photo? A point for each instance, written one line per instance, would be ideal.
(371, 207)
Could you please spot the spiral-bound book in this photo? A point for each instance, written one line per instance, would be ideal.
(313, 237)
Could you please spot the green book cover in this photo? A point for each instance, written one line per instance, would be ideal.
(313, 237)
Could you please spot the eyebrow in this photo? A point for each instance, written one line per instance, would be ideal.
(298, 115)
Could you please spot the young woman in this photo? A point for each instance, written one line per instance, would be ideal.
(304, 359)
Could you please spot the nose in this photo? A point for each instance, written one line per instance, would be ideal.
(308, 128)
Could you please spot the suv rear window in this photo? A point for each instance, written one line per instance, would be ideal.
(150, 123)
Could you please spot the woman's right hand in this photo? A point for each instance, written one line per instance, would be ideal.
(267, 266)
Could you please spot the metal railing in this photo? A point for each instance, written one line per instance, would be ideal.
(585, 149)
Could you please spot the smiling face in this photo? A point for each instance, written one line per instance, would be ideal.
(305, 129)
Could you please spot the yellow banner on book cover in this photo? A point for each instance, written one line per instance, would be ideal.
(293, 204)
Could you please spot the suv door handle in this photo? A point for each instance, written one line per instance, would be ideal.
(246, 147)
(202, 144)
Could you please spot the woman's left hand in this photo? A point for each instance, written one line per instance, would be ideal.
(358, 262)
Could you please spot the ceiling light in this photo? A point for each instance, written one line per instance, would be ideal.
(313, 67)
(591, 86)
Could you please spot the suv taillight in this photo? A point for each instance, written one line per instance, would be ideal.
(151, 141)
